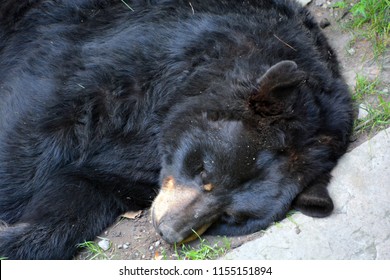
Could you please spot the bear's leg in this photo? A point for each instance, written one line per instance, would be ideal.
(314, 200)
(66, 212)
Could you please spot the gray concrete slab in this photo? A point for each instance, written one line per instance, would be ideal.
(359, 228)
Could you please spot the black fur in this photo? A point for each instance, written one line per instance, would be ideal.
(100, 105)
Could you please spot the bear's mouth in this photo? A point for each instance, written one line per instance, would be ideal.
(196, 233)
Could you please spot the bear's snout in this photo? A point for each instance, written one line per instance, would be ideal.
(169, 234)
(179, 211)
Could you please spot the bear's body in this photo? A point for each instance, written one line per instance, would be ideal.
(235, 107)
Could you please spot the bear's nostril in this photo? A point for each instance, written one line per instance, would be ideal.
(160, 233)
(168, 234)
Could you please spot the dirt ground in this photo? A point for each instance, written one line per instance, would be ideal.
(136, 239)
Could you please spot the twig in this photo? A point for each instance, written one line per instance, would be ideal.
(285, 43)
(345, 13)
(363, 124)
(127, 5)
(192, 8)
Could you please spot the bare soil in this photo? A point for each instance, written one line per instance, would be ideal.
(136, 238)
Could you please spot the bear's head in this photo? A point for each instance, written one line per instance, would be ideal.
(225, 157)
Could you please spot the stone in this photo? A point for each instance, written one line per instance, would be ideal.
(304, 2)
(363, 112)
(324, 23)
(359, 227)
(104, 244)
(320, 2)
(351, 51)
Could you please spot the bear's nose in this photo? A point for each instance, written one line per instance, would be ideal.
(168, 234)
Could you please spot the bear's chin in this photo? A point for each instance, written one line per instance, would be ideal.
(196, 233)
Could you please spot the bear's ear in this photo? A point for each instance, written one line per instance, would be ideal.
(275, 88)
(314, 201)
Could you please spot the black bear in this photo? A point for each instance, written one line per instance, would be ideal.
(235, 109)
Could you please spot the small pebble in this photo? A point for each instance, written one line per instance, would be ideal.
(117, 234)
(120, 246)
(324, 23)
(157, 243)
(125, 246)
(320, 2)
(104, 244)
(304, 2)
(363, 112)
(351, 51)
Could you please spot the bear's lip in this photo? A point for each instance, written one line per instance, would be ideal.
(172, 236)
(196, 233)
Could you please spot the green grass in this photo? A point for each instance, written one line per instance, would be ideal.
(378, 107)
(290, 215)
(3, 258)
(364, 87)
(370, 20)
(340, 5)
(93, 251)
(203, 251)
